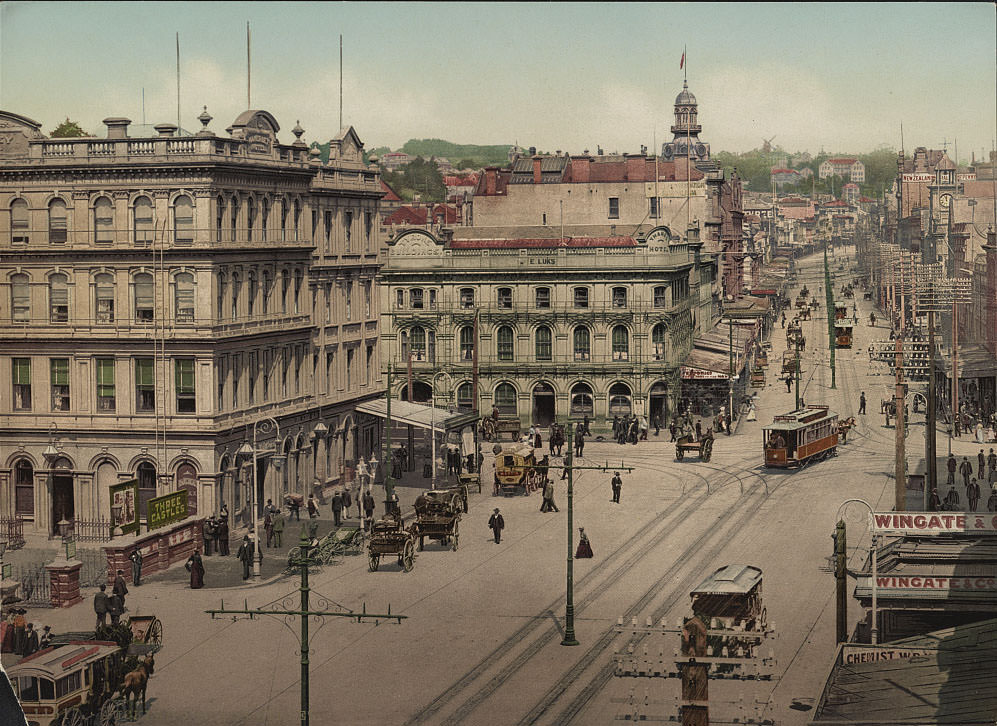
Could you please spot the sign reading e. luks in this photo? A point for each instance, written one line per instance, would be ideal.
(932, 523)
(166, 509)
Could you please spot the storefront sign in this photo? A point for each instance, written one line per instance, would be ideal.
(932, 523)
(918, 178)
(701, 374)
(851, 654)
(166, 509)
(906, 584)
(124, 507)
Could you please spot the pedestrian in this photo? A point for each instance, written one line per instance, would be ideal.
(862, 404)
(973, 495)
(699, 430)
(20, 636)
(952, 500)
(672, 428)
(245, 556)
(584, 550)
(656, 421)
(136, 559)
(981, 460)
(116, 607)
(992, 460)
(46, 638)
(642, 426)
(580, 445)
(195, 566)
(101, 605)
(934, 503)
(537, 442)
(585, 425)
(294, 507)
(120, 588)
(789, 384)
(617, 484)
(268, 526)
(208, 530)
(616, 429)
(368, 506)
(312, 507)
(278, 528)
(496, 523)
(222, 536)
(337, 508)
(31, 640)
(966, 469)
(270, 508)
(784, 320)
(548, 497)
(950, 465)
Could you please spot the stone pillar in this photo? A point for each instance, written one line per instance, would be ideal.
(64, 578)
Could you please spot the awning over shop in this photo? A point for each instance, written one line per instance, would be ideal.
(705, 365)
(748, 307)
(419, 414)
(975, 361)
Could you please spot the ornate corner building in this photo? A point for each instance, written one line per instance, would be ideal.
(161, 294)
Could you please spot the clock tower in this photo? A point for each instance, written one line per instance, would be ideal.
(940, 194)
(686, 130)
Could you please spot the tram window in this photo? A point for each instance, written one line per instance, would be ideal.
(27, 687)
(508, 461)
(46, 689)
(67, 685)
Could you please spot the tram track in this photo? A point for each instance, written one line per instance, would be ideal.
(638, 546)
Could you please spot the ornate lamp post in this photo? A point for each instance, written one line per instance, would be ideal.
(264, 426)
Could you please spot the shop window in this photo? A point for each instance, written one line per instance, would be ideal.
(21, 380)
(184, 371)
(59, 372)
(106, 399)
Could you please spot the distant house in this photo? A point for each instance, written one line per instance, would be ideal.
(390, 201)
(845, 167)
(394, 160)
(460, 188)
(850, 192)
(410, 215)
(782, 176)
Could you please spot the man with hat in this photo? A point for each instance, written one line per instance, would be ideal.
(120, 588)
(136, 559)
(617, 485)
(496, 523)
(245, 555)
(101, 605)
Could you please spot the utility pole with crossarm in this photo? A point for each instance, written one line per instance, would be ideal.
(282, 608)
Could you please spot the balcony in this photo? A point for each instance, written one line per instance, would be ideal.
(151, 236)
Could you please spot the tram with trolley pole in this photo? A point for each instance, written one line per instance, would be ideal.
(799, 437)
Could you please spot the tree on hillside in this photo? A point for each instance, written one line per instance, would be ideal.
(68, 130)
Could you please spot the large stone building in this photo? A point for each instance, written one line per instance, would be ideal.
(162, 296)
(588, 321)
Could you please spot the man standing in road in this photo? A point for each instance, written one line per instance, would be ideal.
(981, 470)
(617, 485)
(245, 555)
(496, 523)
(221, 535)
(368, 506)
(966, 469)
(116, 606)
(973, 495)
(951, 466)
(136, 558)
(548, 497)
(862, 404)
(337, 508)
(992, 460)
(952, 500)
(120, 588)
(101, 605)
(278, 528)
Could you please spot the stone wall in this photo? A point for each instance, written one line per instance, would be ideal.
(160, 548)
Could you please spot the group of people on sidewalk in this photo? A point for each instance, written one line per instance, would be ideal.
(113, 604)
(20, 637)
(986, 474)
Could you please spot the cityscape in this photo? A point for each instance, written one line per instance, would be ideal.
(428, 363)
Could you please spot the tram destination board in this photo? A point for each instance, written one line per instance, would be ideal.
(166, 509)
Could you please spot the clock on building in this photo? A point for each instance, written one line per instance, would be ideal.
(945, 200)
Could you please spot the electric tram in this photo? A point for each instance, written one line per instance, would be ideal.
(799, 437)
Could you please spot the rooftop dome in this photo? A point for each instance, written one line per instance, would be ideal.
(685, 98)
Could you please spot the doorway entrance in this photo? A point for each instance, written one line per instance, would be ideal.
(543, 405)
(63, 504)
(658, 403)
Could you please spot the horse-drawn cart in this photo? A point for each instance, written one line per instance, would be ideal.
(388, 537)
(438, 517)
(703, 448)
(146, 630)
(844, 426)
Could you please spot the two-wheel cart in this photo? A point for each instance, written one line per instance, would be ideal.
(388, 537)
(146, 630)
(438, 517)
(703, 448)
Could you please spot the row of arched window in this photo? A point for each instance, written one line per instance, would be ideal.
(104, 299)
(505, 398)
(258, 288)
(581, 297)
(421, 343)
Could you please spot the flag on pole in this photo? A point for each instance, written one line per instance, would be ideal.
(682, 62)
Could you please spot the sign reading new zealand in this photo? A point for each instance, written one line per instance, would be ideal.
(166, 509)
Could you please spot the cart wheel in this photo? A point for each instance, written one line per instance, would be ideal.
(113, 712)
(72, 717)
(155, 633)
(679, 454)
(408, 556)
(373, 562)
(456, 535)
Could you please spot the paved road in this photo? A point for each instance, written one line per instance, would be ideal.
(481, 644)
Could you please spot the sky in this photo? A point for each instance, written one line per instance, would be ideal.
(838, 77)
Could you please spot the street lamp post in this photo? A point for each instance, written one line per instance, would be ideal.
(432, 412)
(874, 552)
(266, 425)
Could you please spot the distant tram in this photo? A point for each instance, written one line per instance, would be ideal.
(801, 436)
(842, 334)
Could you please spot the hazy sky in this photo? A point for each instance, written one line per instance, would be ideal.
(556, 76)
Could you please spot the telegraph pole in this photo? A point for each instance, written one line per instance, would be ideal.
(798, 336)
(386, 456)
(829, 301)
(303, 562)
(932, 482)
(841, 576)
(900, 475)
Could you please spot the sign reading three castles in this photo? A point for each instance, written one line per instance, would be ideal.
(166, 509)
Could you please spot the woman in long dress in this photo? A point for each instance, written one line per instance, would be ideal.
(195, 566)
(584, 549)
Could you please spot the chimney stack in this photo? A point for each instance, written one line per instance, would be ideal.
(166, 130)
(117, 127)
(490, 181)
(537, 176)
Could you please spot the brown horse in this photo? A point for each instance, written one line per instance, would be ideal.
(135, 683)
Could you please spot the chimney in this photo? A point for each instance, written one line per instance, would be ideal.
(635, 167)
(533, 151)
(580, 168)
(490, 174)
(117, 127)
(536, 169)
(165, 130)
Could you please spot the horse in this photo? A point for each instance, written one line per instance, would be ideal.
(135, 683)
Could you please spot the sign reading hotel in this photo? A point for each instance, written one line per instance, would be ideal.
(932, 523)
(166, 509)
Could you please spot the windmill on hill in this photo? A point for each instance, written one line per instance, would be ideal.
(767, 145)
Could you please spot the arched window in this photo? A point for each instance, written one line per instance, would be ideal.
(581, 400)
(297, 291)
(58, 226)
(103, 221)
(464, 397)
(581, 340)
(19, 222)
(658, 340)
(505, 399)
(183, 220)
(142, 218)
(543, 346)
(220, 304)
(58, 299)
(467, 343)
(146, 486)
(620, 403)
(281, 210)
(251, 294)
(418, 342)
(404, 345)
(144, 298)
(20, 298)
(236, 291)
(219, 218)
(184, 310)
(504, 337)
(267, 291)
(619, 297)
(24, 488)
(250, 218)
(621, 343)
(234, 217)
(264, 218)
(297, 219)
(104, 294)
(285, 287)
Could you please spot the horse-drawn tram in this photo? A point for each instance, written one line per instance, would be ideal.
(842, 334)
(801, 436)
